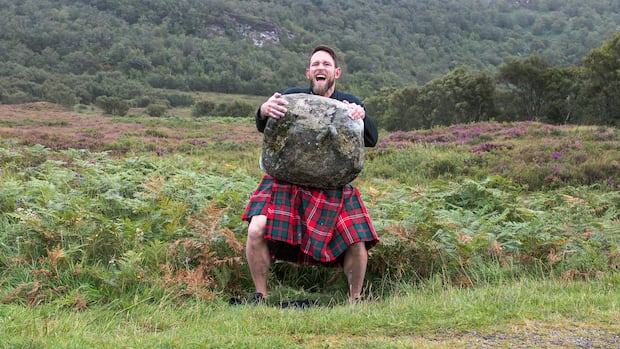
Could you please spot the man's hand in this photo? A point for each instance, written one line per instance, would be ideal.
(274, 107)
(356, 112)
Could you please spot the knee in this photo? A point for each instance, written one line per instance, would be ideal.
(256, 228)
(357, 248)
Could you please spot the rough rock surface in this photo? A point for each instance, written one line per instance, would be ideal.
(315, 144)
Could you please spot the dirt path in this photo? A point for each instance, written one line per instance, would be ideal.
(542, 337)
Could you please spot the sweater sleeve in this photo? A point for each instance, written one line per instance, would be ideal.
(371, 134)
(260, 122)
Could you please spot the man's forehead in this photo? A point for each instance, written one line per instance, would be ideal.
(321, 56)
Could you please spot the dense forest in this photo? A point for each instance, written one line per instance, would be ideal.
(393, 51)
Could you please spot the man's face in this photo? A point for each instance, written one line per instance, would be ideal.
(322, 73)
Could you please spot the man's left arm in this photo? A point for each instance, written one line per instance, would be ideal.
(371, 134)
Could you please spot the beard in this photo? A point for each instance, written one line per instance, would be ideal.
(322, 88)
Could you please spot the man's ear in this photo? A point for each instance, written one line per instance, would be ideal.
(338, 72)
(307, 73)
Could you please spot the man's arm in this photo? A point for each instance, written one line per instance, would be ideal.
(371, 135)
(274, 107)
(261, 123)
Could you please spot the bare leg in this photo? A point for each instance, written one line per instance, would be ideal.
(257, 253)
(355, 261)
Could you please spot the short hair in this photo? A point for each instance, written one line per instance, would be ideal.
(327, 49)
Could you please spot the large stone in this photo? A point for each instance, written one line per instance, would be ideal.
(315, 144)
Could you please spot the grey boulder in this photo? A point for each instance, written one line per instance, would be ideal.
(315, 144)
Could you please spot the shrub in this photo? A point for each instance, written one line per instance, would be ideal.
(234, 109)
(156, 110)
(112, 105)
(177, 99)
(203, 108)
(142, 101)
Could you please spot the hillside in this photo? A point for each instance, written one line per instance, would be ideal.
(119, 48)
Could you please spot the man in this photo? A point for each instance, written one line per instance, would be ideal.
(343, 233)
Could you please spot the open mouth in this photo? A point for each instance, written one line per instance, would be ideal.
(321, 77)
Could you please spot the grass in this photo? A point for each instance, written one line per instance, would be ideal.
(505, 314)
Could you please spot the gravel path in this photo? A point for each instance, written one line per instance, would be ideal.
(546, 338)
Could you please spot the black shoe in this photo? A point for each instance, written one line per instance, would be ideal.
(356, 300)
(235, 301)
(257, 298)
(298, 304)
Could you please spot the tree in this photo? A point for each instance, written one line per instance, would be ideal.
(59, 93)
(562, 88)
(602, 66)
(459, 97)
(468, 97)
(525, 78)
(409, 108)
(378, 104)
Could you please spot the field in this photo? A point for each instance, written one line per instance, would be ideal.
(126, 232)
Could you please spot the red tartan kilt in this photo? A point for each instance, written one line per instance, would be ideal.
(311, 226)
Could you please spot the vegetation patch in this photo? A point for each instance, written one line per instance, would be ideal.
(150, 219)
(84, 222)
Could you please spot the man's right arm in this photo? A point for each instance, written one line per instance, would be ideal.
(274, 107)
(261, 122)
